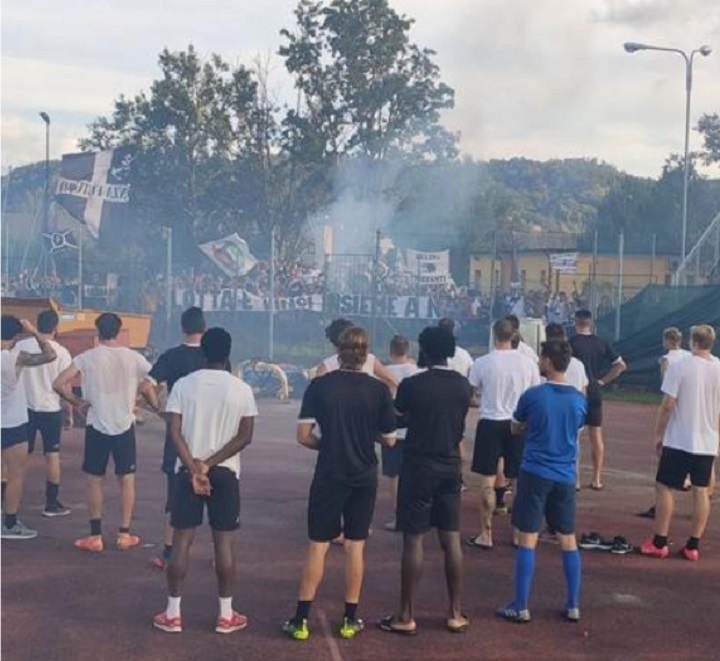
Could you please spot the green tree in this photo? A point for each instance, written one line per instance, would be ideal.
(366, 88)
(709, 128)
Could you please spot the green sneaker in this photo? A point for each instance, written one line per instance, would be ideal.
(297, 631)
(351, 628)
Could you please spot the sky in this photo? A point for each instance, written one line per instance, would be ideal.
(535, 78)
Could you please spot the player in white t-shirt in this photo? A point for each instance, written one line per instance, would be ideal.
(523, 347)
(462, 361)
(672, 343)
(212, 416)
(110, 374)
(47, 413)
(687, 434)
(500, 378)
(14, 416)
(402, 366)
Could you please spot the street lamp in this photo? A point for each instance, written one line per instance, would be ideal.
(633, 47)
(46, 201)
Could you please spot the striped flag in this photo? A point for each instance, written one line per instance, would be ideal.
(94, 187)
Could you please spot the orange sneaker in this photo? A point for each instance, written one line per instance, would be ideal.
(126, 541)
(229, 625)
(92, 544)
(167, 624)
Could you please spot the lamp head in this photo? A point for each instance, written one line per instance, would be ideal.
(45, 117)
(705, 50)
(632, 46)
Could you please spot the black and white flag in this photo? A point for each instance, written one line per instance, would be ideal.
(94, 187)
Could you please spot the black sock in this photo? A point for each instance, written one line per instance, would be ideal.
(51, 493)
(10, 520)
(167, 551)
(350, 610)
(4, 486)
(303, 611)
(693, 544)
(660, 541)
(499, 496)
(124, 531)
(95, 527)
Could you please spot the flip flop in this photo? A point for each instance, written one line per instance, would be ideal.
(596, 487)
(387, 624)
(461, 628)
(472, 541)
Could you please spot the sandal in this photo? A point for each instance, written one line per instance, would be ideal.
(473, 541)
(461, 628)
(596, 487)
(389, 624)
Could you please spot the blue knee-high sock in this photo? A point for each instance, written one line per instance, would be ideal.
(571, 567)
(524, 570)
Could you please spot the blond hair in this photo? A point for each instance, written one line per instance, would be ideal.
(703, 337)
(353, 348)
(673, 334)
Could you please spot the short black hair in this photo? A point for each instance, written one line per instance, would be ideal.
(436, 346)
(584, 316)
(559, 352)
(335, 330)
(447, 324)
(11, 327)
(108, 325)
(216, 344)
(503, 330)
(47, 321)
(513, 319)
(192, 321)
(399, 346)
(555, 332)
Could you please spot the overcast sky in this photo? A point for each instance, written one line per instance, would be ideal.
(534, 78)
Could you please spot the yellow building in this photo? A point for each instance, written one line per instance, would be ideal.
(532, 270)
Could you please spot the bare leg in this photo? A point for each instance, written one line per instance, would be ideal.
(127, 495)
(179, 561)
(224, 561)
(313, 570)
(664, 506)
(597, 447)
(168, 536)
(412, 569)
(354, 570)
(95, 496)
(452, 548)
(701, 511)
(487, 507)
(14, 462)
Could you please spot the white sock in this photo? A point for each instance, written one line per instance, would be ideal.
(173, 607)
(226, 608)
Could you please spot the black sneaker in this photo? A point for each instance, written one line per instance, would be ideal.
(56, 509)
(593, 542)
(621, 546)
(647, 514)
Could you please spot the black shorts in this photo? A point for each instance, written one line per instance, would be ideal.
(223, 503)
(428, 498)
(675, 465)
(50, 427)
(172, 480)
(170, 455)
(594, 416)
(10, 436)
(538, 497)
(494, 439)
(336, 507)
(99, 447)
(392, 459)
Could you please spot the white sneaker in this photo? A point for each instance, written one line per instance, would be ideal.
(18, 531)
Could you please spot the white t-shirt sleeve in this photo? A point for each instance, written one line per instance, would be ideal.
(174, 401)
(64, 359)
(475, 376)
(143, 367)
(249, 407)
(535, 379)
(80, 362)
(671, 381)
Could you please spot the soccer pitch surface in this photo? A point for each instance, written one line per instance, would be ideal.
(61, 604)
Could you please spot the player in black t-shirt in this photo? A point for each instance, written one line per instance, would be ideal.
(172, 366)
(602, 366)
(353, 411)
(434, 405)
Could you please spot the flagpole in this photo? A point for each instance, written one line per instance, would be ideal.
(168, 279)
(271, 325)
(80, 268)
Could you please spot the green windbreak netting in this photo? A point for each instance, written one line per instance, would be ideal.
(648, 314)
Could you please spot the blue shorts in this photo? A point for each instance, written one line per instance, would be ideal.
(538, 497)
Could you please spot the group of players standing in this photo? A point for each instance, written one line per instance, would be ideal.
(527, 437)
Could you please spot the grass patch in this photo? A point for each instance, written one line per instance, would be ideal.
(648, 397)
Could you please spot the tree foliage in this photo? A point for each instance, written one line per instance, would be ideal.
(709, 128)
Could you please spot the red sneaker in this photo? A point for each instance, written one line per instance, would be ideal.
(92, 544)
(229, 625)
(167, 624)
(126, 541)
(649, 549)
(159, 563)
(690, 554)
